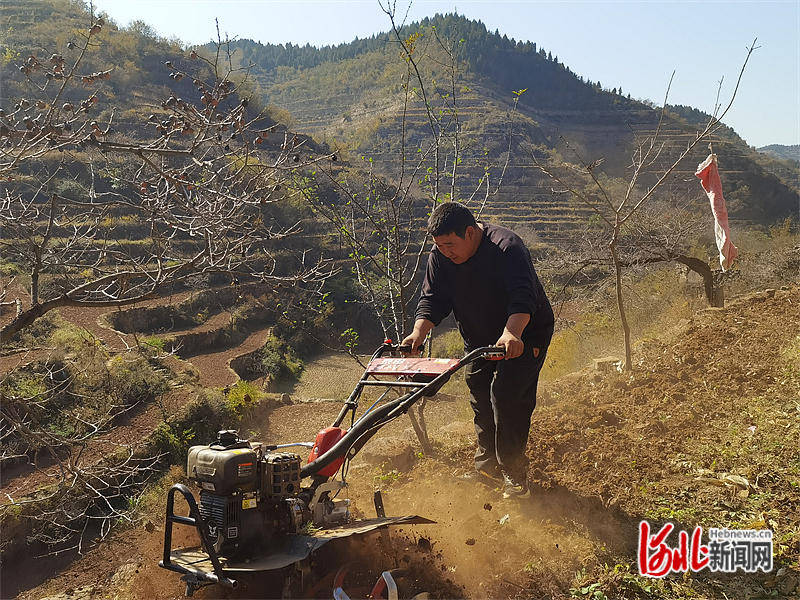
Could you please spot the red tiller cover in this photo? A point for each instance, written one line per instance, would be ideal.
(410, 366)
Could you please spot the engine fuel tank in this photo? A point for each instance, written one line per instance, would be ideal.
(223, 471)
(324, 441)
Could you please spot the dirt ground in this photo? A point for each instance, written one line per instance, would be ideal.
(712, 403)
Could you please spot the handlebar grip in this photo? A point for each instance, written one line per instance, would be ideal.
(495, 353)
(407, 348)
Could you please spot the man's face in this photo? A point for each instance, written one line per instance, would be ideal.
(458, 249)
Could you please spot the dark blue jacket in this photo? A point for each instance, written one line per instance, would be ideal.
(497, 281)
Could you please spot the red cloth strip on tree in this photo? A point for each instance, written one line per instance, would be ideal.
(708, 173)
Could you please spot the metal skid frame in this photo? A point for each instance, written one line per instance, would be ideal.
(194, 578)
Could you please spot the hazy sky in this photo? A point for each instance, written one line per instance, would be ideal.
(635, 45)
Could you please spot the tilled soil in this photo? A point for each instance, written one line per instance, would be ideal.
(720, 397)
(214, 367)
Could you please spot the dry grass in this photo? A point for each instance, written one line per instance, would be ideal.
(329, 377)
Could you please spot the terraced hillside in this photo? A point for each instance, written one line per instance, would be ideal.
(352, 97)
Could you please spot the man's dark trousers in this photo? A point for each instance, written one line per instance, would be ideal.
(503, 398)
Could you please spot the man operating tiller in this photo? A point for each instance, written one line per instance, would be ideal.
(483, 273)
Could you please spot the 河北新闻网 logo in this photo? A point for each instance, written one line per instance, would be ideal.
(727, 550)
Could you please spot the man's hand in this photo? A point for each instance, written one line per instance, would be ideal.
(417, 337)
(511, 339)
(513, 345)
(414, 340)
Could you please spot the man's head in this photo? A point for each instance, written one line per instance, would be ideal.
(454, 231)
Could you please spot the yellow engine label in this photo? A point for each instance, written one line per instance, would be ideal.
(248, 503)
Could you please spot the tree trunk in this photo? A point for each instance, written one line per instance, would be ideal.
(35, 285)
(714, 294)
(626, 330)
(718, 296)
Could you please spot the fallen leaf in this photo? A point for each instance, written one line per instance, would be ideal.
(736, 480)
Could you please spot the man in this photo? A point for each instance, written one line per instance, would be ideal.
(484, 275)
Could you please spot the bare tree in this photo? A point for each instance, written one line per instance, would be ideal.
(197, 193)
(382, 225)
(615, 209)
(96, 213)
(380, 216)
(662, 232)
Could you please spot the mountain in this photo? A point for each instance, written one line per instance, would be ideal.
(352, 96)
(782, 152)
(783, 162)
(505, 94)
(42, 27)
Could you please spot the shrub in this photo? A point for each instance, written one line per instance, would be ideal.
(242, 396)
(38, 332)
(71, 338)
(71, 395)
(154, 342)
(208, 414)
(9, 269)
(279, 362)
(172, 442)
(25, 386)
(197, 423)
(38, 395)
(133, 379)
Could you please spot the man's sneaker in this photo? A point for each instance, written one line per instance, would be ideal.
(515, 487)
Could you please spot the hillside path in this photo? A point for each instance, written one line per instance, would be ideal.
(214, 367)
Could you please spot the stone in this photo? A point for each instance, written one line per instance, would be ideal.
(311, 400)
(736, 480)
(607, 364)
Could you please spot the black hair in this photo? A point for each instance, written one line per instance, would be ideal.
(450, 217)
